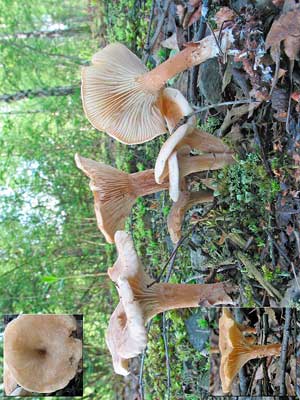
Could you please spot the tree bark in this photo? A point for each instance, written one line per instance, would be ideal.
(43, 92)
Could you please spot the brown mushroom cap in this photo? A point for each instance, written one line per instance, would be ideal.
(115, 192)
(9, 382)
(236, 350)
(116, 102)
(39, 352)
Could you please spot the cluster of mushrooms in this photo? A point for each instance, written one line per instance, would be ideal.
(40, 353)
(131, 104)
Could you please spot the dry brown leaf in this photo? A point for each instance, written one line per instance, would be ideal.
(289, 387)
(171, 42)
(224, 14)
(287, 29)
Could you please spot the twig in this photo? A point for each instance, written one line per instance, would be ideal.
(242, 373)
(165, 338)
(264, 159)
(205, 108)
(284, 351)
(174, 252)
(289, 262)
(273, 292)
(141, 384)
(147, 47)
(265, 330)
(159, 28)
(199, 35)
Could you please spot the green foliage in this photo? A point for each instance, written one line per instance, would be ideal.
(127, 23)
(248, 190)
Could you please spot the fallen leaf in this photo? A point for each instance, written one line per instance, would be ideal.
(225, 14)
(171, 42)
(287, 29)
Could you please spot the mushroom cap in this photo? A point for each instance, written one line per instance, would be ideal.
(176, 181)
(126, 336)
(190, 136)
(175, 106)
(112, 198)
(115, 101)
(39, 352)
(161, 167)
(9, 382)
(229, 336)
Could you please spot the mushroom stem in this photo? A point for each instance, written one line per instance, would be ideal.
(143, 183)
(171, 296)
(186, 201)
(193, 54)
(265, 350)
(204, 162)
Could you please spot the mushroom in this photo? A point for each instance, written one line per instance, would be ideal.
(9, 382)
(186, 201)
(40, 352)
(236, 350)
(141, 300)
(187, 135)
(121, 97)
(174, 107)
(115, 192)
(181, 164)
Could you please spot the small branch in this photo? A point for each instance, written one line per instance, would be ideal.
(165, 338)
(284, 351)
(205, 108)
(242, 373)
(273, 292)
(174, 252)
(158, 28)
(142, 364)
(147, 46)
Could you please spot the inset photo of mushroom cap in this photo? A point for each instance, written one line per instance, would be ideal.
(9, 382)
(40, 352)
(116, 101)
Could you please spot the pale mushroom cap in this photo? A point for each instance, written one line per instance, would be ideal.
(174, 176)
(40, 353)
(9, 382)
(128, 263)
(115, 101)
(126, 336)
(161, 166)
(174, 107)
(112, 200)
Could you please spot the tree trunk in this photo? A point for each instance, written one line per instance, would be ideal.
(44, 92)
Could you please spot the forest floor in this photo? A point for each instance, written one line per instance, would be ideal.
(251, 235)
